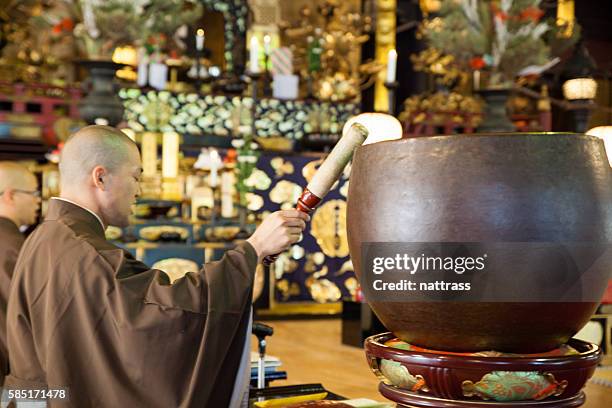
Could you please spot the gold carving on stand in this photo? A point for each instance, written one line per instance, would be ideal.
(507, 386)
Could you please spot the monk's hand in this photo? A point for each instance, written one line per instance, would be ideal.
(278, 232)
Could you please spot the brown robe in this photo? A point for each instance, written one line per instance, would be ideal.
(11, 241)
(85, 315)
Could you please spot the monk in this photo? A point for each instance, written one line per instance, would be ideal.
(87, 318)
(19, 203)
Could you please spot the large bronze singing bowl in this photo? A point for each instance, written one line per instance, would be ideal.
(489, 187)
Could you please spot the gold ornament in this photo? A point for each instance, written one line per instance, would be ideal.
(310, 266)
(297, 252)
(344, 189)
(112, 233)
(154, 233)
(346, 267)
(385, 41)
(223, 233)
(285, 192)
(176, 268)
(329, 228)
(321, 273)
(318, 258)
(258, 180)
(351, 285)
(324, 291)
(281, 167)
(309, 170)
(254, 201)
(286, 289)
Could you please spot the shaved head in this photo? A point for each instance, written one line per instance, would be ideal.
(90, 147)
(15, 176)
(19, 199)
(100, 170)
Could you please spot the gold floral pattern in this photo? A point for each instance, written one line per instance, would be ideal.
(329, 228)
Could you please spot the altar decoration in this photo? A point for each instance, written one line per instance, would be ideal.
(222, 115)
(441, 112)
(496, 42)
(33, 51)
(500, 38)
(385, 54)
(449, 109)
(102, 26)
(235, 16)
(53, 112)
(316, 270)
(325, 44)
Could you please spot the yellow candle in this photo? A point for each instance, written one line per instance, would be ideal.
(170, 151)
(227, 194)
(149, 154)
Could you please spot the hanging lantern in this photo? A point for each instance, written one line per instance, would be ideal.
(580, 89)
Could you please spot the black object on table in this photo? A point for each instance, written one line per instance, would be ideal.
(292, 391)
(261, 331)
(269, 377)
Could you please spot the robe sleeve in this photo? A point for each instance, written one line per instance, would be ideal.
(229, 280)
(7, 265)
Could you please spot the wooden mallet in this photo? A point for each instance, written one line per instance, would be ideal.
(356, 131)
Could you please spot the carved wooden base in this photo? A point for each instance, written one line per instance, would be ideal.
(421, 378)
(407, 399)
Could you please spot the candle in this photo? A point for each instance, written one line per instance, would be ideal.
(254, 55)
(267, 44)
(476, 80)
(200, 39)
(227, 194)
(170, 152)
(215, 161)
(391, 65)
(149, 154)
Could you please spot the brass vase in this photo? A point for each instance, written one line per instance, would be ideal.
(495, 115)
(102, 100)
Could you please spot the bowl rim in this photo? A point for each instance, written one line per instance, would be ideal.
(463, 136)
(589, 355)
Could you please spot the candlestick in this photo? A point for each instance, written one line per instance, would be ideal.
(391, 65)
(254, 55)
(200, 39)
(267, 44)
(267, 85)
(391, 87)
(255, 77)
